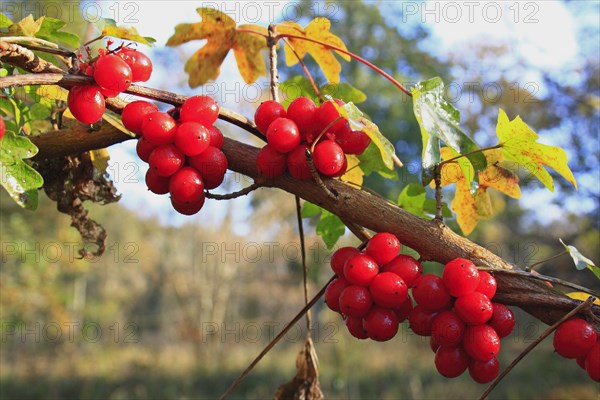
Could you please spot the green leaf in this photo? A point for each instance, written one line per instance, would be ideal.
(127, 33)
(18, 178)
(413, 199)
(581, 262)
(296, 87)
(39, 112)
(310, 210)
(330, 228)
(5, 22)
(113, 119)
(370, 161)
(50, 30)
(344, 91)
(439, 121)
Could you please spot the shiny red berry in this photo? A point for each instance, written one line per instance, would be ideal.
(216, 137)
(503, 320)
(339, 258)
(592, 362)
(383, 247)
(487, 284)
(360, 269)
(431, 293)
(405, 309)
(267, 112)
(406, 267)
(460, 277)
(474, 308)
(270, 163)
(574, 338)
(202, 109)
(134, 113)
(112, 74)
(192, 138)
(484, 371)
(381, 324)
(356, 327)
(302, 111)
(388, 290)
(447, 328)
(165, 160)
(297, 165)
(144, 148)
(421, 320)
(140, 64)
(187, 208)
(212, 165)
(332, 293)
(481, 342)
(156, 184)
(451, 362)
(186, 185)
(328, 157)
(159, 128)
(326, 114)
(352, 142)
(283, 135)
(86, 103)
(355, 301)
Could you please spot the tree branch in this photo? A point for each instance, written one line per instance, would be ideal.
(24, 58)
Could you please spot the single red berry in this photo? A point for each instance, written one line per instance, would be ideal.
(421, 320)
(433, 344)
(140, 64)
(165, 160)
(592, 362)
(86, 103)
(339, 258)
(187, 208)
(474, 308)
(216, 137)
(574, 338)
(332, 293)
(2, 128)
(112, 74)
(383, 247)
(406, 267)
(186, 185)
(487, 284)
(581, 361)
(431, 293)
(326, 114)
(270, 163)
(192, 138)
(283, 135)
(481, 342)
(144, 148)
(388, 290)
(460, 277)
(159, 128)
(381, 324)
(267, 112)
(352, 142)
(405, 309)
(212, 165)
(360, 269)
(356, 327)
(484, 371)
(328, 157)
(342, 170)
(157, 184)
(302, 111)
(451, 362)
(297, 164)
(503, 320)
(134, 113)
(355, 301)
(447, 328)
(201, 109)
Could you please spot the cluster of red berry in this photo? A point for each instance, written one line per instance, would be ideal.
(289, 133)
(578, 339)
(113, 72)
(185, 156)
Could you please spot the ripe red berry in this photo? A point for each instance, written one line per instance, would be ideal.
(328, 157)
(112, 74)
(355, 301)
(192, 138)
(159, 128)
(451, 361)
(592, 362)
(86, 103)
(270, 163)
(201, 109)
(405, 309)
(352, 142)
(144, 148)
(2, 128)
(406, 267)
(581, 361)
(481, 342)
(429, 291)
(360, 269)
(212, 165)
(484, 371)
(327, 114)
(388, 290)
(297, 164)
(487, 284)
(574, 338)
(333, 291)
(134, 113)
(267, 112)
(433, 344)
(339, 258)
(283, 135)
(447, 328)
(186, 185)
(342, 170)
(503, 320)
(140, 64)
(474, 308)
(302, 111)
(216, 137)
(460, 277)
(383, 247)
(421, 320)
(381, 324)
(356, 327)
(157, 184)
(187, 208)
(165, 160)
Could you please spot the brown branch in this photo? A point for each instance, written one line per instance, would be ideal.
(229, 196)
(272, 43)
(19, 56)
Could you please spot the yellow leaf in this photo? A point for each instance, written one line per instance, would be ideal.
(100, 159)
(113, 120)
(497, 177)
(354, 174)
(459, 169)
(52, 92)
(582, 296)
(26, 27)
(483, 203)
(247, 50)
(126, 33)
(519, 143)
(292, 28)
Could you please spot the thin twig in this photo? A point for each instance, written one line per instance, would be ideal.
(233, 195)
(272, 43)
(316, 176)
(548, 259)
(277, 338)
(438, 193)
(497, 146)
(304, 266)
(323, 132)
(545, 334)
(358, 231)
(304, 68)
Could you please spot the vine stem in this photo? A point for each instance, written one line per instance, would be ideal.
(544, 335)
(304, 68)
(276, 339)
(548, 259)
(234, 195)
(496, 146)
(304, 267)
(316, 176)
(438, 193)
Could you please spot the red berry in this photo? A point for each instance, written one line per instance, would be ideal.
(86, 103)
(447, 328)
(112, 74)
(574, 338)
(474, 308)
(186, 185)
(484, 371)
(267, 112)
(339, 258)
(355, 301)
(216, 137)
(406, 267)
(159, 128)
(451, 361)
(302, 111)
(187, 208)
(460, 277)
(581, 361)
(2, 128)
(481, 342)
(405, 309)
(283, 135)
(360, 269)
(429, 291)
(421, 320)
(297, 164)
(140, 64)
(503, 320)
(356, 327)
(191, 138)
(388, 290)
(157, 184)
(212, 165)
(144, 148)
(383, 247)
(342, 170)
(381, 324)
(487, 284)
(352, 142)
(332, 293)
(270, 163)
(165, 160)
(201, 109)
(328, 157)
(327, 114)
(592, 362)
(433, 344)
(134, 113)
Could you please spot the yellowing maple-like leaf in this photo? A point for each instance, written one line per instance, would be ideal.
(220, 33)
(26, 27)
(354, 174)
(497, 177)
(317, 29)
(519, 143)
